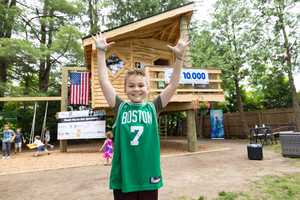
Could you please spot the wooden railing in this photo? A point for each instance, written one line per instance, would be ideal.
(186, 92)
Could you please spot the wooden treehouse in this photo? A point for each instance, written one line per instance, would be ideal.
(143, 44)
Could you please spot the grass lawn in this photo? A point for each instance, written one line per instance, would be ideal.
(269, 187)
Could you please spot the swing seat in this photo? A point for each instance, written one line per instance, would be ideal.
(40, 153)
(31, 146)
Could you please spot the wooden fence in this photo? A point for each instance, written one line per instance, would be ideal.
(232, 124)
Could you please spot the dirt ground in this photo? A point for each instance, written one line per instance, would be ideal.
(219, 165)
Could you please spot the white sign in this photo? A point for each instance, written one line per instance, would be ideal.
(81, 127)
(189, 76)
(70, 114)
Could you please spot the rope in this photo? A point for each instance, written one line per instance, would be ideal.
(33, 125)
(44, 122)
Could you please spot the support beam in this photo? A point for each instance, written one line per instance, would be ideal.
(172, 31)
(8, 99)
(64, 103)
(64, 98)
(191, 131)
(191, 121)
(184, 32)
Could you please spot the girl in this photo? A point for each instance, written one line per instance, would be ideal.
(107, 148)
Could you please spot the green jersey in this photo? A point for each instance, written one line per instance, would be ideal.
(136, 160)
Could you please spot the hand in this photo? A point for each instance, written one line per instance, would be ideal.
(100, 42)
(180, 47)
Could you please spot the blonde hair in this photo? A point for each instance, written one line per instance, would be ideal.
(109, 135)
(135, 71)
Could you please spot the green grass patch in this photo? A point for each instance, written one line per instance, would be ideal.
(274, 147)
(277, 188)
(186, 198)
(277, 148)
(269, 188)
(233, 196)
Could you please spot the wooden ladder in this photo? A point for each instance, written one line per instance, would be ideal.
(163, 125)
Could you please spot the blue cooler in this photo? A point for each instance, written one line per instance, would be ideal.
(255, 151)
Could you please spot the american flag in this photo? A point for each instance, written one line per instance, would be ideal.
(80, 88)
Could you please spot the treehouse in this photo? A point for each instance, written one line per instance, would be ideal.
(143, 44)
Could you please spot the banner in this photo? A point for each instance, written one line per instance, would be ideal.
(189, 76)
(81, 125)
(216, 124)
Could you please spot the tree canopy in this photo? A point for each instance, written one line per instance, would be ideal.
(254, 43)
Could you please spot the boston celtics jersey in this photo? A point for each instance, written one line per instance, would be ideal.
(136, 160)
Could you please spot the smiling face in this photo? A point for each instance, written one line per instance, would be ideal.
(136, 88)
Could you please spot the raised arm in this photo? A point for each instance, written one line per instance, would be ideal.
(179, 51)
(106, 86)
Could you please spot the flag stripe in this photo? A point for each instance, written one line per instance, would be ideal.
(80, 83)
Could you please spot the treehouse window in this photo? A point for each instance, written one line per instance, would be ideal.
(114, 63)
(161, 61)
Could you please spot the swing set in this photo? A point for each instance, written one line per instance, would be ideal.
(31, 145)
(63, 103)
(36, 100)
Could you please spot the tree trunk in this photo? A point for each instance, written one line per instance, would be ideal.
(93, 16)
(42, 65)
(6, 26)
(288, 59)
(45, 64)
(90, 13)
(245, 128)
(296, 106)
(3, 78)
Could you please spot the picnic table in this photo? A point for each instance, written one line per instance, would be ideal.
(262, 134)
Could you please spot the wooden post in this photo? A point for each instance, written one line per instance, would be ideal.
(63, 105)
(191, 131)
(184, 31)
(191, 121)
(64, 98)
(260, 117)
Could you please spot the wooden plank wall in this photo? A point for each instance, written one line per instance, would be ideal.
(144, 51)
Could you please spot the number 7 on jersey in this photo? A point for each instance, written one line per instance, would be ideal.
(140, 130)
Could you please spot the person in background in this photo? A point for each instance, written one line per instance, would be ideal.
(107, 148)
(18, 140)
(47, 138)
(40, 146)
(8, 137)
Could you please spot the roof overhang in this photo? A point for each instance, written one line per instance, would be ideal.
(145, 26)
